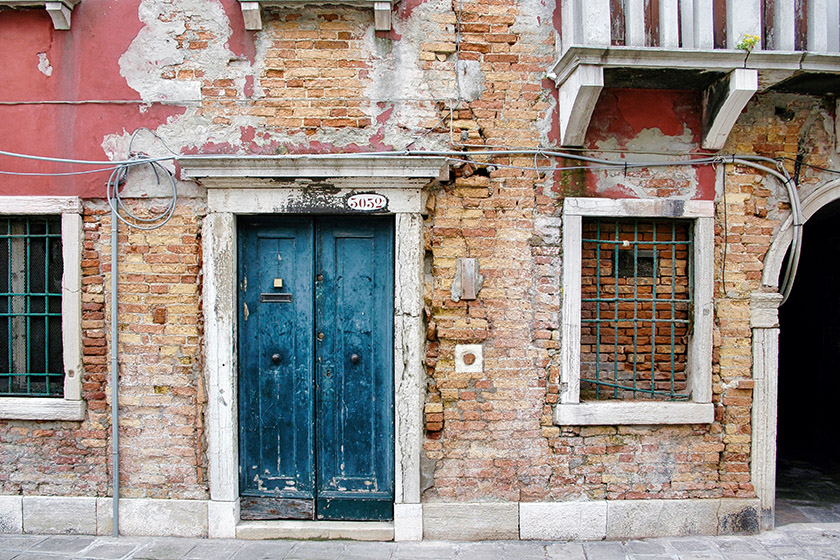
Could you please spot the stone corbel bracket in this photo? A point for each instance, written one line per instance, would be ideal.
(723, 102)
(253, 18)
(577, 95)
(60, 12)
(582, 72)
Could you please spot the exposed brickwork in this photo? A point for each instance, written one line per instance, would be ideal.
(320, 80)
(161, 386)
(634, 309)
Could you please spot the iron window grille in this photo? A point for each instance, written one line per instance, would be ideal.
(31, 269)
(636, 308)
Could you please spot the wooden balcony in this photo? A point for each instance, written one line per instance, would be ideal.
(729, 49)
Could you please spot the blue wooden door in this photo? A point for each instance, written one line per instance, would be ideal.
(315, 368)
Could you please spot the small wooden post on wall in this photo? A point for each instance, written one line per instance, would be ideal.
(467, 281)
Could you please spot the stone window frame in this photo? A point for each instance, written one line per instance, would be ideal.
(699, 410)
(70, 406)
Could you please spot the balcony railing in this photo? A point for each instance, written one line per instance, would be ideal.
(727, 49)
(779, 25)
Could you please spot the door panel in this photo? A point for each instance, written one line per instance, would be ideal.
(316, 374)
(276, 357)
(355, 395)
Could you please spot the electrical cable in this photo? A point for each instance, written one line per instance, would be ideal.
(119, 174)
(154, 221)
(69, 173)
(111, 163)
(786, 285)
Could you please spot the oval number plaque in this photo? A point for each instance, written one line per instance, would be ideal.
(367, 202)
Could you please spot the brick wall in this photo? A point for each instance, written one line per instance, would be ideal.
(635, 309)
(320, 80)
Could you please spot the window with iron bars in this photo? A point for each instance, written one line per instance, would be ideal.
(636, 308)
(31, 268)
(637, 312)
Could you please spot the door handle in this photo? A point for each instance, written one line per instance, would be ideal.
(275, 358)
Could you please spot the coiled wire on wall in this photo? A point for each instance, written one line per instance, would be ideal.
(153, 221)
(780, 173)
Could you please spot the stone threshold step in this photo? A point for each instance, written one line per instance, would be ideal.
(303, 530)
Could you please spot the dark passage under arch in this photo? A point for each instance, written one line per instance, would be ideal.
(808, 444)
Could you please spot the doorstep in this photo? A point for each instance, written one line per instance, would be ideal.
(306, 530)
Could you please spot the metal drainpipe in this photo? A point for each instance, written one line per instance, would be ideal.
(115, 377)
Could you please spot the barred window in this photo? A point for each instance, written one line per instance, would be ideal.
(636, 298)
(637, 312)
(31, 269)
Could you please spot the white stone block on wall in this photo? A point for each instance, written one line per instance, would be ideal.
(408, 522)
(172, 518)
(11, 514)
(563, 521)
(221, 519)
(471, 521)
(633, 519)
(104, 516)
(59, 515)
(738, 516)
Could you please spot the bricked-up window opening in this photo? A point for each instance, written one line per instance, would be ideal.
(636, 308)
(31, 267)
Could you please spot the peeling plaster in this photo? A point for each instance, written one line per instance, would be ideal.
(535, 27)
(397, 73)
(650, 126)
(685, 180)
(44, 65)
(155, 51)
(151, 52)
(470, 79)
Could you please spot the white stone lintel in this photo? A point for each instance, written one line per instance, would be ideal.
(723, 102)
(323, 166)
(626, 413)
(638, 208)
(60, 11)
(40, 204)
(253, 20)
(577, 96)
(23, 408)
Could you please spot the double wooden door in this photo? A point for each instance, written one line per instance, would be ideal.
(316, 413)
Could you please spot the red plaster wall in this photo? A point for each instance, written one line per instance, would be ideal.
(623, 115)
(85, 62)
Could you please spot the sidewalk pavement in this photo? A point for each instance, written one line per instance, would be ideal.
(801, 540)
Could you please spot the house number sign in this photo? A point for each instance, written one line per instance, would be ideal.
(367, 202)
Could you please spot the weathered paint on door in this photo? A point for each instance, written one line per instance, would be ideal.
(315, 368)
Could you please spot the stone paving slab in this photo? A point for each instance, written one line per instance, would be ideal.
(796, 541)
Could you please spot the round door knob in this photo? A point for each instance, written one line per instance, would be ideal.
(275, 358)
(355, 358)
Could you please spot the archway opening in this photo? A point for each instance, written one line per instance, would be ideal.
(808, 454)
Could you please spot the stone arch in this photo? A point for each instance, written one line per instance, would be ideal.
(775, 257)
(764, 321)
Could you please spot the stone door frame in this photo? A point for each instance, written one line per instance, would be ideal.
(764, 321)
(243, 185)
